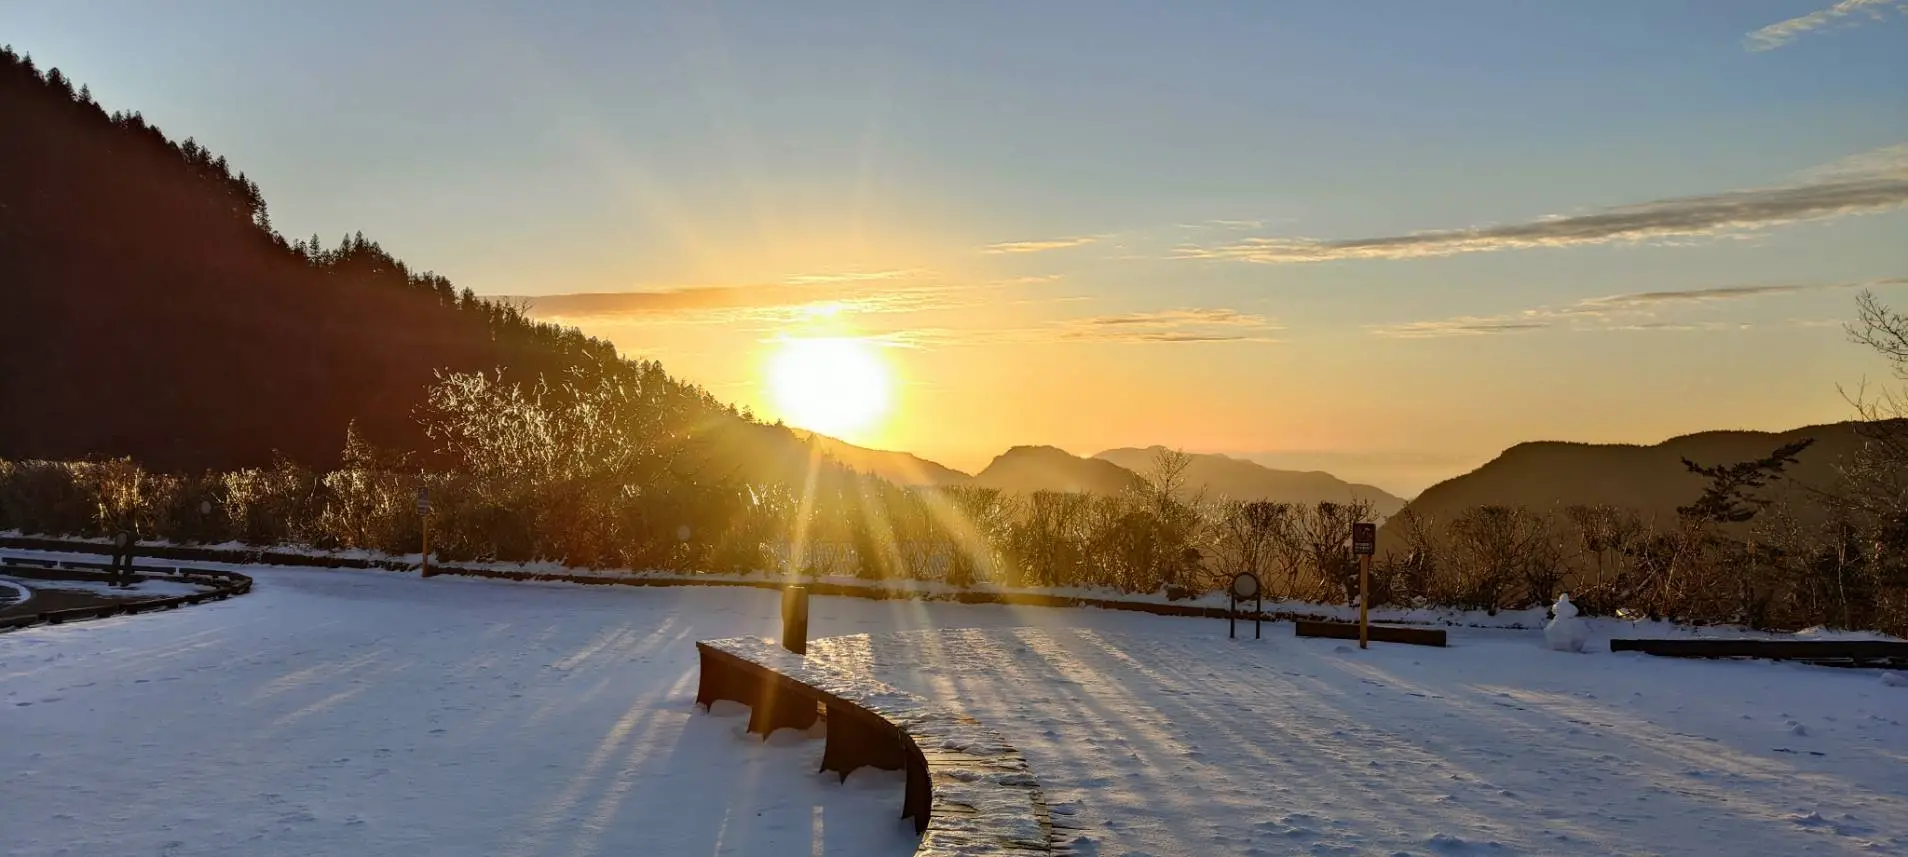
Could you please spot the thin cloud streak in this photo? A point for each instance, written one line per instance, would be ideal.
(1783, 32)
(1632, 312)
(734, 303)
(1174, 326)
(1040, 246)
(1177, 317)
(1721, 293)
(851, 277)
(1874, 182)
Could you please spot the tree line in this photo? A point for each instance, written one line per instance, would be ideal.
(621, 476)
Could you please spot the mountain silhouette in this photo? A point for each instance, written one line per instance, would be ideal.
(1238, 479)
(1026, 469)
(900, 468)
(1554, 475)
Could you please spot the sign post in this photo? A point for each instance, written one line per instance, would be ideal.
(424, 516)
(1364, 544)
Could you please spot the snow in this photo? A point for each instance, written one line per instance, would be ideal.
(146, 588)
(366, 712)
(13, 594)
(1178, 743)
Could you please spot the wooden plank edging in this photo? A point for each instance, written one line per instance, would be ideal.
(1380, 633)
(1824, 652)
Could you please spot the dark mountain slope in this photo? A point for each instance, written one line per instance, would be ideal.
(1238, 479)
(1548, 475)
(1026, 469)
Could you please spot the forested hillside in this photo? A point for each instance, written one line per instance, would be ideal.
(1647, 479)
(155, 313)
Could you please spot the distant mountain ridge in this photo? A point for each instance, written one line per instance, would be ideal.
(901, 468)
(1239, 479)
(1030, 468)
(1552, 475)
(1026, 469)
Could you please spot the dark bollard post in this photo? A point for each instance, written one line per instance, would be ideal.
(122, 561)
(795, 619)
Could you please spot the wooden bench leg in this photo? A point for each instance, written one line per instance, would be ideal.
(720, 680)
(919, 797)
(853, 742)
(775, 709)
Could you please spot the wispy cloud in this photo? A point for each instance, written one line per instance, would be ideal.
(1872, 182)
(1463, 326)
(850, 277)
(867, 292)
(1634, 311)
(1783, 32)
(1225, 224)
(1173, 326)
(1040, 246)
(1641, 300)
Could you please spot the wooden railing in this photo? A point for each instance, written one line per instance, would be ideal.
(218, 585)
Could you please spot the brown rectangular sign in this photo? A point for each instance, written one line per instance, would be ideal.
(1364, 539)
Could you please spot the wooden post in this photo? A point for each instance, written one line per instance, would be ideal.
(795, 619)
(1364, 601)
(424, 518)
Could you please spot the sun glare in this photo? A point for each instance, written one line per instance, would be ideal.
(835, 385)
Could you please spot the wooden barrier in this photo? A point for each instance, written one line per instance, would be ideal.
(220, 585)
(1838, 653)
(815, 588)
(968, 791)
(1381, 633)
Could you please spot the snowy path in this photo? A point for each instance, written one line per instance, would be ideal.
(1186, 744)
(367, 713)
(370, 713)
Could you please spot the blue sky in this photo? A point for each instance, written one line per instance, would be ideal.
(1195, 192)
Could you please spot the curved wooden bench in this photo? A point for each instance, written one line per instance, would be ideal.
(969, 792)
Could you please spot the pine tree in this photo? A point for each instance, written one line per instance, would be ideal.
(1730, 497)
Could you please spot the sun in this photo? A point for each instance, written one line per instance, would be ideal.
(834, 385)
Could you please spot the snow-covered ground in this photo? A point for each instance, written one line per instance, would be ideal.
(148, 588)
(363, 712)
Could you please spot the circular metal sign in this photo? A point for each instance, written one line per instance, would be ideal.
(124, 539)
(1245, 585)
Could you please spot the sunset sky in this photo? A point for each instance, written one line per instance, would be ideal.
(1387, 239)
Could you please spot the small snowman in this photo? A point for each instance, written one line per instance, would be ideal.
(1566, 632)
